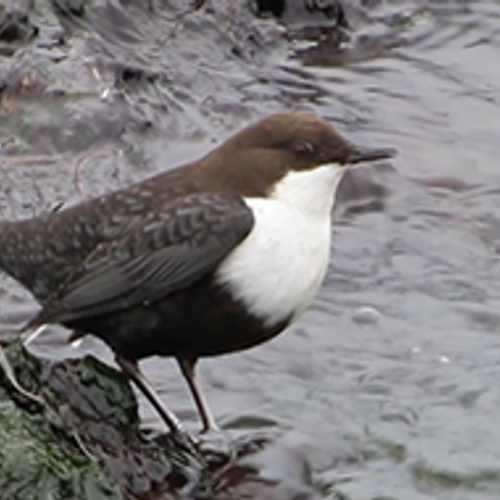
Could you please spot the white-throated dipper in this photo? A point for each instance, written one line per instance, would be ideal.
(212, 257)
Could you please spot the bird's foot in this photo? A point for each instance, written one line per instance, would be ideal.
(185, 442)
(215, 446)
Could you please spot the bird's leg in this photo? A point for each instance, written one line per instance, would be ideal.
(187, 367)
(132, 370)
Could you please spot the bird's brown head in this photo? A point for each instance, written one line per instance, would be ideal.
(255, 159)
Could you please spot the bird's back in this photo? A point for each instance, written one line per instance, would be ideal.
(43, 252)
(46, 251)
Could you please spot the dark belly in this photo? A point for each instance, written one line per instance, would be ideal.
(200, 321)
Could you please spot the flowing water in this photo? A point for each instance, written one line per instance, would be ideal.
(390, 384)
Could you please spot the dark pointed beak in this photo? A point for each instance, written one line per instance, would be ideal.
(361, 154)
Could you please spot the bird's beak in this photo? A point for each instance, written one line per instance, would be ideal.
(361, 154)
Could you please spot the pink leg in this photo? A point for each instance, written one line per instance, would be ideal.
(187, 367)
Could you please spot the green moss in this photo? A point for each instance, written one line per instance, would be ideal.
(34, 466)
(395, 451)
(428, 477)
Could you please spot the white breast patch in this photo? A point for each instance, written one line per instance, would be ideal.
(277, 270)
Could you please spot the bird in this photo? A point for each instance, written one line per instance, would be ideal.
(212, 257)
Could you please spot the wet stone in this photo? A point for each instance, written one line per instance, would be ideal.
(83, 415)
(15, 25)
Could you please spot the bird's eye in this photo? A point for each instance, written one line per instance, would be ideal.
(303, 148)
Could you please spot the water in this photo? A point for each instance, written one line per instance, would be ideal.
(390, 383)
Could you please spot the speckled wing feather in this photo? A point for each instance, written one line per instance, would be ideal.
(158, 255)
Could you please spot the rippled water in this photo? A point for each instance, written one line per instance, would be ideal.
(390, 383)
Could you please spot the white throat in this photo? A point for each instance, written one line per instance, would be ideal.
(310, 191)
(277, 270)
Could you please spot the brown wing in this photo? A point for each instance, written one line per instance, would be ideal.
(166, 252)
